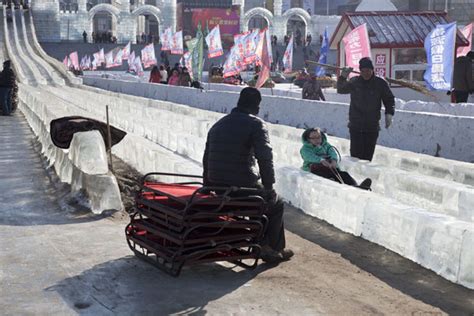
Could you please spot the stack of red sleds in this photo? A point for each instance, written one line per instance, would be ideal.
(177, 224)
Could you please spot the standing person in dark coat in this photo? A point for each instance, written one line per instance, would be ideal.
(233, 144)
(367, 94)
(84, 36)
(462, 78)
(312, 89)
(7, 84)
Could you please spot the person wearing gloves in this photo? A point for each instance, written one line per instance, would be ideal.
(235, 145)
(367, 94)
(320, 158)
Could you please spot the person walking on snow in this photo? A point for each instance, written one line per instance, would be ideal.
(367, 94)
(7, 84)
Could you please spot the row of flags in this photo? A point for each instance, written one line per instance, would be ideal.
(113, 58)
(439, 46)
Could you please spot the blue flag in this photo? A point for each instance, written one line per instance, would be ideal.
(439, 46)
(323, 54)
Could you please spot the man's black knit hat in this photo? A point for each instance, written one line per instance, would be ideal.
(249, 99)
(366, 63)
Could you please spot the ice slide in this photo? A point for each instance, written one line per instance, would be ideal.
(420, 207)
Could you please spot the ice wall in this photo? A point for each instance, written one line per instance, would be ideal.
(421, 206)
(448, 136)
(84, 166)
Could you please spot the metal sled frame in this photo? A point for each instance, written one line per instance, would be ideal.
(177, 224)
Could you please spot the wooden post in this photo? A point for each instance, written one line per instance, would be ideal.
(109, 139)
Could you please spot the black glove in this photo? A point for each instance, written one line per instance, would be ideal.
(270, 196)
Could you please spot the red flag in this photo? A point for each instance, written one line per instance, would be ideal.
(74, 60)
(467, 32)
(265, 64)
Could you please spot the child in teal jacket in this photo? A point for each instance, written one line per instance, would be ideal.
(320, 158)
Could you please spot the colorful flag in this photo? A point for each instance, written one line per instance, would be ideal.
(138, 66)
(131, 61)
(467, 32)
(251, 42)
(187, 63)
(126, 51)
(196, 50)
(101, 56)
(323, 54)
(214, 43)
(269, 44)
(356, 46)
(166, 39)
(66, 61)
(148, 56)
(239, 43)
(230, 65)
(439, 47)
(177, 43)
(265, 65)
(109, 59)
(74, 60)
(118, 57)
(288, 56)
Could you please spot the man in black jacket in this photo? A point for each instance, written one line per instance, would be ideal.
(7, 83)
(233, 144)
(367, 94)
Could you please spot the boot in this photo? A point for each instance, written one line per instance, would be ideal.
(269, 255)
(365, 185)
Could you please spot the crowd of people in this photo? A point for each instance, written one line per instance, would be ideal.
(176, 76)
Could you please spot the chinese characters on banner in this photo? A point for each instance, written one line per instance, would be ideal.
(288, 57)
(380, 65)
(148, 56)
(214, 43)
(177, 43)
(356, 46)
(439, 46)
(467, 32)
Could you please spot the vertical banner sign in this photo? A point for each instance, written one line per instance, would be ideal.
(323, 54)
(357, 46)
(250, 46)
(74, 58)
(288, 56)
(118, 57)
(148, 56)
(102, 56)
(66, 61)
(197, 55)
(109, 59)
(166, 39)
(138, 66)
(380, 65)
(177, 43)
(126, 51)
(188, 64)
(230, 65)
(269, 44)
(239, 43)
(467, 32)
(131, 62)
(214, 43)
(439, 46)
(265, 65)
